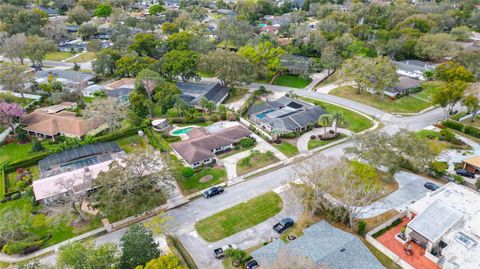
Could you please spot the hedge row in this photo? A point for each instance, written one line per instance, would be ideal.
(386, 229)
(250, 101)
(467, 129)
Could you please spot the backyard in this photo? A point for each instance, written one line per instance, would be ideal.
(239, 217)
(353, 121)
(132, 144)
(14, 152)
(11, 177)
(406, 104)
(255, 161)
(315, 143)
(293, 81)
(286, 148)
(202, 178)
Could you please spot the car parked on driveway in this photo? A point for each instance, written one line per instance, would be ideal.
(283, 225)
(220, 252)
(431, 186)
(465, 173)
(251, 264)
(212, 192)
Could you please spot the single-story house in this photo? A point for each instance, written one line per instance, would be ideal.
(72, 80)
(472, 164)
(285, 115)
(160, 125)
(201, 147)
(73, 168)
(413, 68)
(120, 89)
(193, 92)
(91, 90)
(403, 86)
(50, 122)
(296, 64)
(324, 245)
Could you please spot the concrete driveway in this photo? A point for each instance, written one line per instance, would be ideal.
(410, 189)
(202, 251)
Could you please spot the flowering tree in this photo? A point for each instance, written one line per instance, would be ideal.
(10, 114)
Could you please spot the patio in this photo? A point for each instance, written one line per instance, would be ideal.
(417, 260)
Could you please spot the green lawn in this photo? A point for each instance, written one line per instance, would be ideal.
(406, 104)
(192, 184)
(10, 98)
(239, 217)
(236, 94)
(318, 143)
(84, 57)
(331, 79)
(14, 152)
(132, 144)
(286, 148)
(256, 160)
(428, 89)
(354, 121)
(58, 56)
(293, 81)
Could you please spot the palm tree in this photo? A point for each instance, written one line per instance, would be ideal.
(338, 118)
(325, 120)
(237, 256)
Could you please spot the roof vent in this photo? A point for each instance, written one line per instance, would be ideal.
(342, 250)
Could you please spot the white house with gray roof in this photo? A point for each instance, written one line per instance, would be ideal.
(326, 246)
(414, 68)
(285, 115)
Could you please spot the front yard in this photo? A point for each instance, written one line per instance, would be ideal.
(293, 81)
(406, 104)
(315, 143)
(255, 161)
(58, 56)
(202, 178)
(84, 57)
(286, 148)
(353, 121)
(239, 217)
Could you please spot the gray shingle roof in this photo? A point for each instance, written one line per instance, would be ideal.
(324, 244)
(193, 92)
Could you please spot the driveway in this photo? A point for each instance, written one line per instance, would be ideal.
(410, 189)
(202, 251)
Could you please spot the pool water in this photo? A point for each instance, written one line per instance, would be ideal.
(262, 25)
(263, 114)
(182, 131)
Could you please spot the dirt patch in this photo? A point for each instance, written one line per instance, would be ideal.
(206, 178)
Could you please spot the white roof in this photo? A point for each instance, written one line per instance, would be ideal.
(442, 207)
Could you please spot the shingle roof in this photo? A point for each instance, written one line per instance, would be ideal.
(324, 244)
(201, 144)
(193, 92)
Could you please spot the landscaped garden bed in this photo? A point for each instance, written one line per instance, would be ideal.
(239, 217)
(317, 142)
(255, 161)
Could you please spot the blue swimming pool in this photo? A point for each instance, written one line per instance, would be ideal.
(182, 131)
(264, 114)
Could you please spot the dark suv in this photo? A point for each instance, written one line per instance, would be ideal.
(431, 186)
(283, 225)
(212, 192)
(465, 173)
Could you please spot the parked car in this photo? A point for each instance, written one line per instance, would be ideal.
(283, 225)
(465, 173)
(212, 192)
(431, 186)
(220, 252)
(251, 264)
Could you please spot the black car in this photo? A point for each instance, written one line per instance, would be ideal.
(212, 192)
(431, 186)
(251, 264)
(283, 225)
(465, 173)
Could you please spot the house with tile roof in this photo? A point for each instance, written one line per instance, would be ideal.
(325, 245)
(285, 115)
(201, 146)
(53, 121)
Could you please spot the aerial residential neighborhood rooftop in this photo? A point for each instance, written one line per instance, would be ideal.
(240, 134)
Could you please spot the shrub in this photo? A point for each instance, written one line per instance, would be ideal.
(312, 137)
(454, 125)
(247, 142)
(15, 196)
(472, 131)
(187, 172)
(447, 134)
(458, 179)
(269, 154)
(19, 170)
(21, 184)
(361, 227)
(477, 184)
(37, 146)
(438, 169)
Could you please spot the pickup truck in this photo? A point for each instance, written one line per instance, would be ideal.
(220, 252)
(283, 225)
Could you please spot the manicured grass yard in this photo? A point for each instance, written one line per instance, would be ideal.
(239, 217)
(192, 184)
(14, 152)
(354, 121)
(256, 160)
(84, 57)
(58, 56)
(286, 148)
(406, 104)
(132, 144)
(318, 143)
(292, 81)
(19, 100)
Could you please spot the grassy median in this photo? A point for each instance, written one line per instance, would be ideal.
(239, 217)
